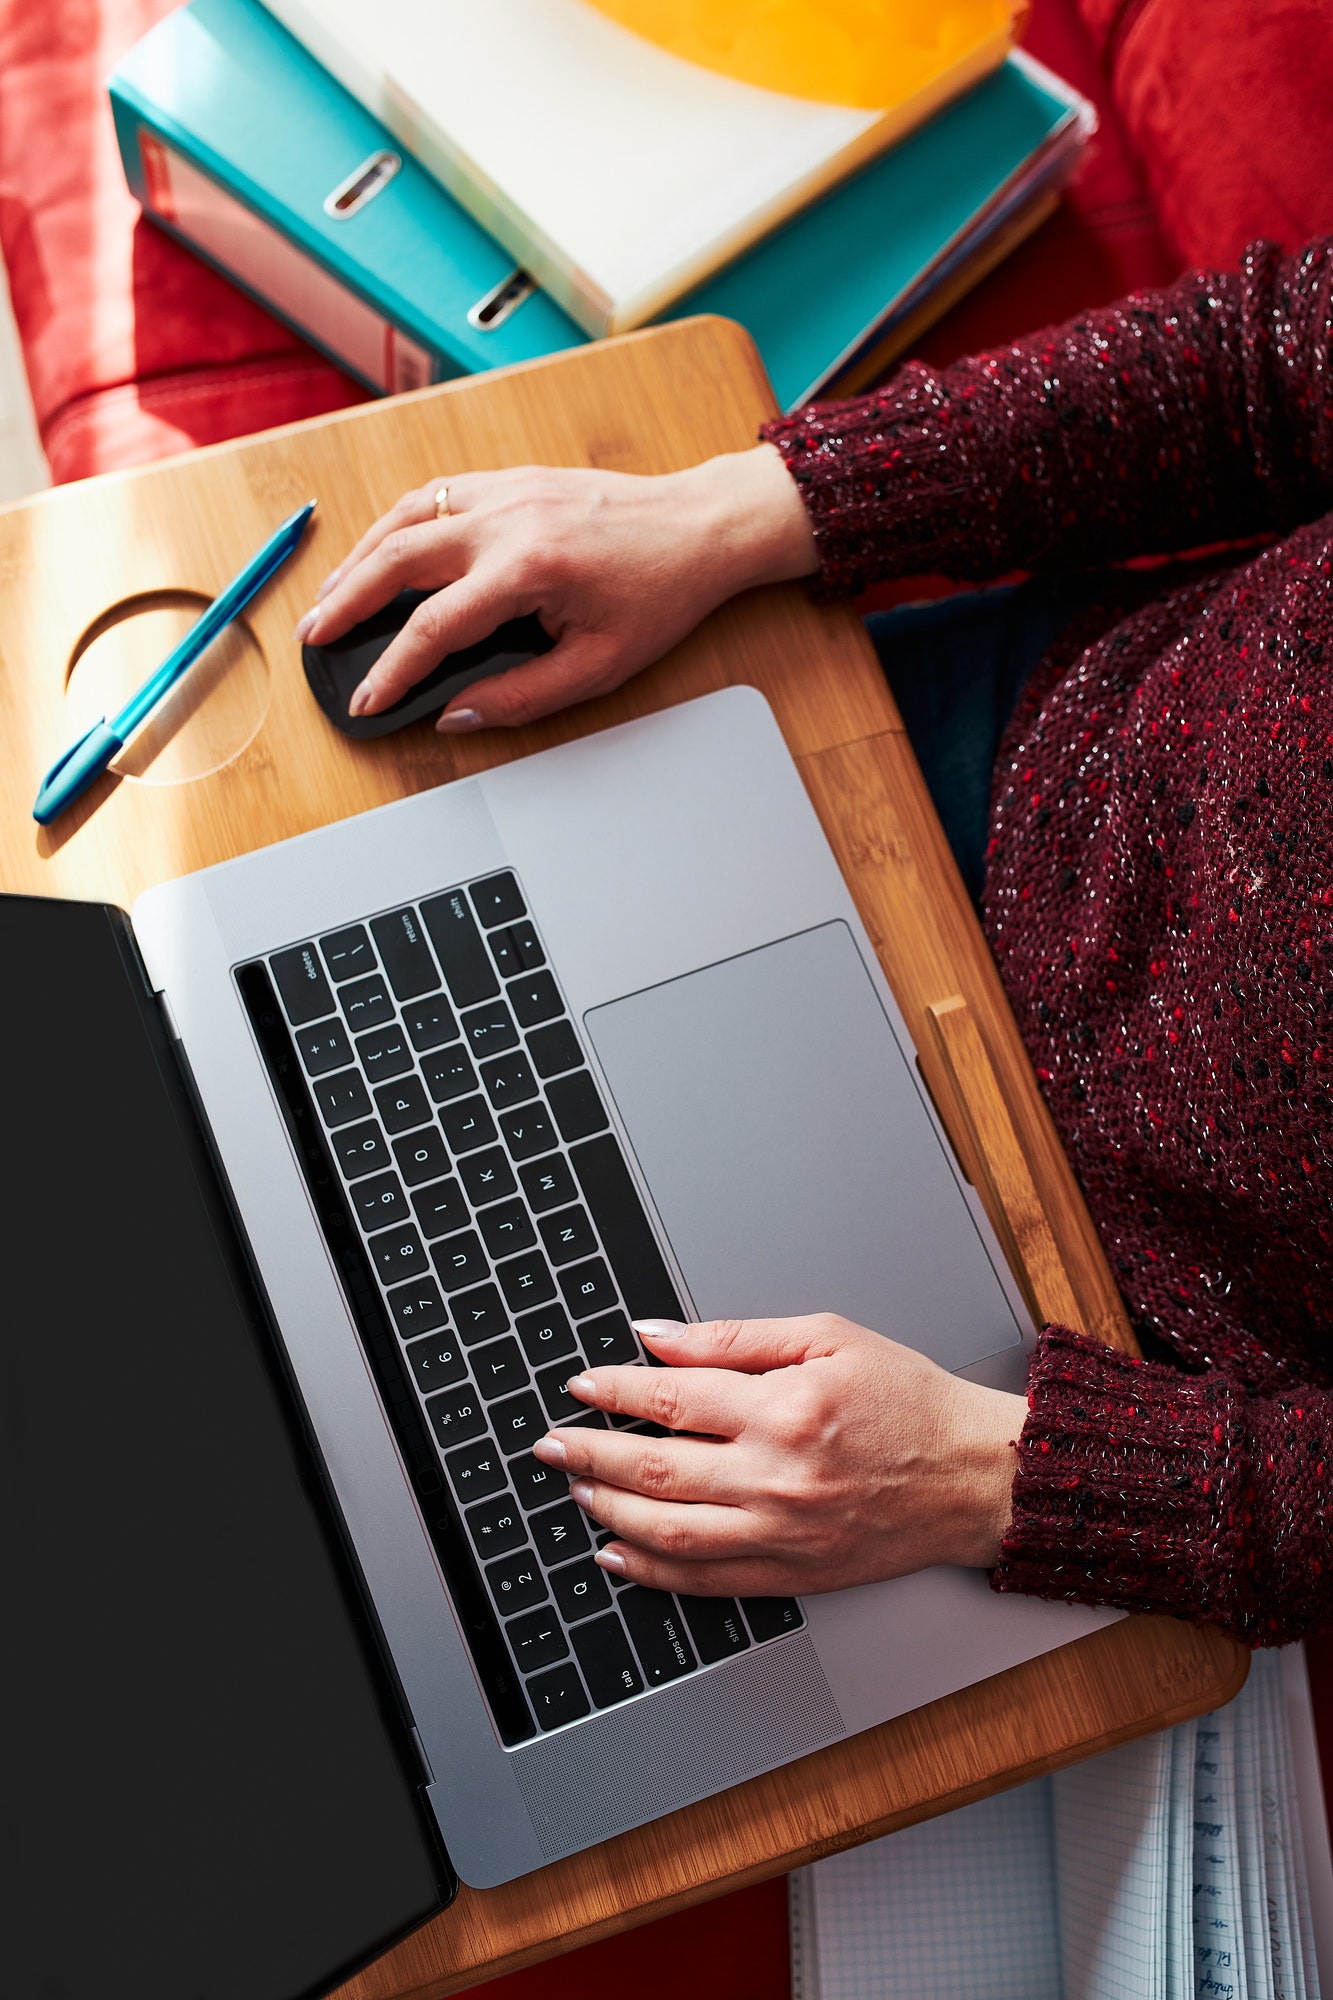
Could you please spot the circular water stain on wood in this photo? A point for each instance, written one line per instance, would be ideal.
(205, 721)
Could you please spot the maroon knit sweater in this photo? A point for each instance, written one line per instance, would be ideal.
(1160, 901)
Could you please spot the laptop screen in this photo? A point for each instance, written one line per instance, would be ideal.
(203, 1788)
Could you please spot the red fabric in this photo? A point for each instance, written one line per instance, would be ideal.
(1226, 103)
(1159, 898)
(731, 1949)
(133, 348)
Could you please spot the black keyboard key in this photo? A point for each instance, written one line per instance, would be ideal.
(479, 1315)
(525, 1281)
(534, 998)
(609, 1339)
(516, 1582)
(324, 1048)
(591, 1420)
(437, 1362)
(507, 960)
(559, 1533)
(579, 1111)
(430, 1024)
(439, 1209)
(347, 953)
(658, 1632)
(463, 957)
(421, 1156)
(497, 900)
(418, 1308)
(527, 944)
(497, 1526)
(498, 1368)
(404, 954)
(449, 1073)
(301, 982)
(468, 1124)
(558, 1402)
(557, 1697)
(487, 1177)
(476, 1470)
(580, 1589)
(546, 1336)
(527, 1131)
(342, 1098)
(769, 1617)
(519, 1423)
(398, 1254)
(548, 1183)
(608, 1664)
(384, 1054)
(403, 1104)
(366, 1003)
(490, 1030)
(379, 1201)
(629, 1243)
(588, 1288)
(509, 1080)
(506, 1228)
(716, 1627)
(456, 1414)
(554, 1049)
(460, 1261)
(536, 1485)
(360, 1149)
(538, 1640)
(567, 1234)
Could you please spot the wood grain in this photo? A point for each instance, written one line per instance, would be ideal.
(649, 402)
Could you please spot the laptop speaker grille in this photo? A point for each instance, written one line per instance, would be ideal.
(685, 1743)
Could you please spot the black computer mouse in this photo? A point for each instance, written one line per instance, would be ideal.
(337, 670)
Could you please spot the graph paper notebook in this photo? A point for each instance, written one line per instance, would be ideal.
(616, 172)
(1174, 1868)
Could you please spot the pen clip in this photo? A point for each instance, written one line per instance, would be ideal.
(74, 771)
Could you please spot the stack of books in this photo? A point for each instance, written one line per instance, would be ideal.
(431, 188)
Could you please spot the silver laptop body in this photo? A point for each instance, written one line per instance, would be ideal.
(761, 1086)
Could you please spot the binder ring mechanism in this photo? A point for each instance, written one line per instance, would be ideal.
(361, 185)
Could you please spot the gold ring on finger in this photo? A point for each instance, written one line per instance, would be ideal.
(441, 503)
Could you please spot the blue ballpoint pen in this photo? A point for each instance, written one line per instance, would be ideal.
(70, 776)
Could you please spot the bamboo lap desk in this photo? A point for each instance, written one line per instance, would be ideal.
(153, 543)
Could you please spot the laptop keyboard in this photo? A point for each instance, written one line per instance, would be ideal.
(491, 1243)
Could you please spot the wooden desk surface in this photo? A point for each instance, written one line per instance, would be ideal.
(651, 402)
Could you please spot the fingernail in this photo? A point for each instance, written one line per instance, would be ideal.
(581, 1490)
(305, 626)
(658, 1329)
(550, 1451)
(326, 586)
(455, 720)
(608, 1559)
(361, 698)
(581, 1385)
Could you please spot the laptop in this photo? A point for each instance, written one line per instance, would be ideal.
(478, 1079)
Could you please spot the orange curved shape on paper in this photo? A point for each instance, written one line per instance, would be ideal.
(867, 53)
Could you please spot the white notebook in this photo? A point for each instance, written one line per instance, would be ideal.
(619, 174)
(1174, 1868)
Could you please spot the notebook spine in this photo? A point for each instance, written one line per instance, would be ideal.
(800, 1932)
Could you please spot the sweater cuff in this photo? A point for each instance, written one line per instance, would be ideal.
(1122, 1495)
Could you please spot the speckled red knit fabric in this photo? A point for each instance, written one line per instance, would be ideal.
(1160, 901)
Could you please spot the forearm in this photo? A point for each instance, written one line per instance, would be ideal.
(1166, 422)
(1146, 1488)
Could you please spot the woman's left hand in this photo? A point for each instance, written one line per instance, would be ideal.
(811, 1454)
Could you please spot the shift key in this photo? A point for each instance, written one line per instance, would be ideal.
(463, 956)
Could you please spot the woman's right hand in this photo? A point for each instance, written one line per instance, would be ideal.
(618, 567)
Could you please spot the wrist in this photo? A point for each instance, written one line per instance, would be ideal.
(987, 1427)
(749, 520)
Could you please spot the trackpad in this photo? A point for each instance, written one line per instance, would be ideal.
(789, 1152)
